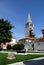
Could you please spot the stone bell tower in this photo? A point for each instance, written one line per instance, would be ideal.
(29, 27)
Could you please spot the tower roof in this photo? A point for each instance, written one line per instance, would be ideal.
(29, 18)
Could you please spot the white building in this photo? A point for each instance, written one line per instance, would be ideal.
(13, 41)
(33, 44)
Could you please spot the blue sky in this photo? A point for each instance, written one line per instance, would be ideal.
(16, 11)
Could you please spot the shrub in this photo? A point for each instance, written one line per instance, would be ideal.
(8, 46)
(18, 47)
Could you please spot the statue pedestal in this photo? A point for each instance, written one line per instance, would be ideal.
(11, 56)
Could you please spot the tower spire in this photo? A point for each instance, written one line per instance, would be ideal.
(29, 18)
(29, 27)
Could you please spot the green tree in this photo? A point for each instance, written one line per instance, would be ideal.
(5, 31)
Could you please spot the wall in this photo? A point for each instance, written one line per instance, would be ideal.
(39, 46)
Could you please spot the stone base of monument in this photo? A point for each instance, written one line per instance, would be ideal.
(11, 56)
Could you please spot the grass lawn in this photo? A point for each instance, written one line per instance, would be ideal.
(5, 61)
(10, 50)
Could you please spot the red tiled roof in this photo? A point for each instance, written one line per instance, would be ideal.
(32, 38)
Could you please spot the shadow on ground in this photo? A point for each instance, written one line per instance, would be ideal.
(34, 62)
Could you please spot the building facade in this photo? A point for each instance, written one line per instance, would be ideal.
(33, 44)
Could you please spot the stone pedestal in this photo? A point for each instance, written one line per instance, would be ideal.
(11, 56)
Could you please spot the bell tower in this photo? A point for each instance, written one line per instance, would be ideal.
(29, 27)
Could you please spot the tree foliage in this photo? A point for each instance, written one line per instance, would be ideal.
(9, 47)
(5, 31)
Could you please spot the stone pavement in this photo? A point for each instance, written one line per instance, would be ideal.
(18, 63)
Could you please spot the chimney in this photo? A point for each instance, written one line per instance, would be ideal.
(43, 32)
